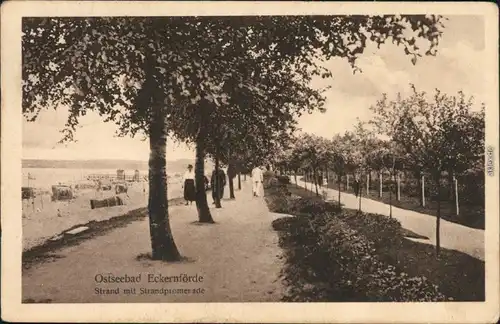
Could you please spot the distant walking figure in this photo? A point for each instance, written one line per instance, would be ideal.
(217, 183)
(257, 179)
(356, 186)
(207, 183)
(99, 188)
(320, 179)
(189, 186)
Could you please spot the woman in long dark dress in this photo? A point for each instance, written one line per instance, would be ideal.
(189, 187)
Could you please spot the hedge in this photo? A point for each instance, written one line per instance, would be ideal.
(327, 260)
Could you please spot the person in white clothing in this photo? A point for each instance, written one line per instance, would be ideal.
(257, 179)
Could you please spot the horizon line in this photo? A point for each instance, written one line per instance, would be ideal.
(100, 159)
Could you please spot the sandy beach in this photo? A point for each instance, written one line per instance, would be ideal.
(46, 219)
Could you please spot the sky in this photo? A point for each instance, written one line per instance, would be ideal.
(459, 65)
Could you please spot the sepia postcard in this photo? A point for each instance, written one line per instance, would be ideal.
(273, 162)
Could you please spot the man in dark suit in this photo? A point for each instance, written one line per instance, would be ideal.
(217, 183)
(356, 186)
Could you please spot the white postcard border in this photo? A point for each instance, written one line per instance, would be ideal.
(11, 132)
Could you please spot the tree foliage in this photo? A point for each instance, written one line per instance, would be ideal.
(312, 151)
(208, 80)
(442, 134)
(438, 134)
(100, 63)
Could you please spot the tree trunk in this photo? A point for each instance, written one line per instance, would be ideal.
(162, 241)
(422, 192)
(204, 215)
(217, 183)
(347, 182)
(231, 188)
(455, 189)
(390, 196)
(312, 182)
(239, 180)
(245, 177)
(231, 174)
(451, 191)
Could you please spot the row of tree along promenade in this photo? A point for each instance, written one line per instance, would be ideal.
(159, 77)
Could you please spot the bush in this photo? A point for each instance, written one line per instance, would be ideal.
(282, 179)
(282, 224)
(384, 230)
(269, 179)
(362, 269)
(471, 188)
(272, 180)
(277, 198)
(341, 264)
(327, 260)
(278, 205)
(313, 206)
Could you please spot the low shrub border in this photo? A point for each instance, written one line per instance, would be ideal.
(340, 255)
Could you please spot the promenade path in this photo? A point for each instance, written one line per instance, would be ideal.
(453, 236)
(238, 258)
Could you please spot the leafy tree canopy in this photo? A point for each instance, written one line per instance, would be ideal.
(123, 67)
(439, 134)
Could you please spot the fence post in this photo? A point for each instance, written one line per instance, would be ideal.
(423, 191)
(380, 184)
(456, 194)
(367, 184)
(398, 180)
